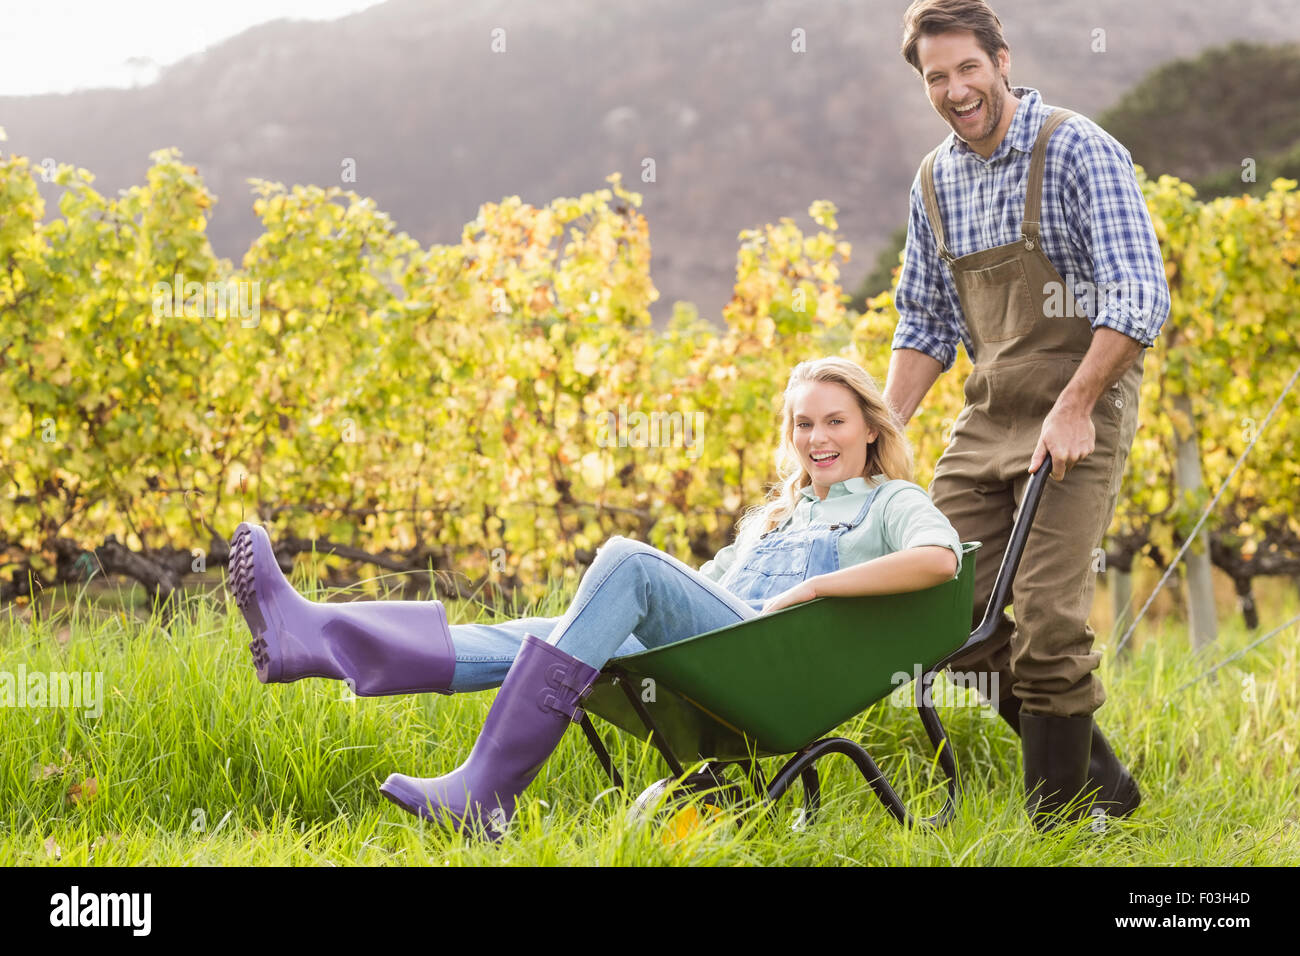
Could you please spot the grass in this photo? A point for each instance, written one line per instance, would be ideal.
(194, 762)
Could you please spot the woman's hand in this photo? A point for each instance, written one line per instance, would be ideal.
(801, 592)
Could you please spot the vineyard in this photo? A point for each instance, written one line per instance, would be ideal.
(491, 411)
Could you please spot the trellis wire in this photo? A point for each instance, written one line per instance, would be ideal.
(1206, 513)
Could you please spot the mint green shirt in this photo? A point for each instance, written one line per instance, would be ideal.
(901, 517)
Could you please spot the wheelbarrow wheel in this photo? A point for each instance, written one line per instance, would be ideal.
(665, 797)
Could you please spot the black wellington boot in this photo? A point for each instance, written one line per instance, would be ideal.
(1117, 792)
(1056, 766)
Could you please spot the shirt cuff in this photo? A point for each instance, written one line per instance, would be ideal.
(1130, 324)
(945, 353)
(942, 540)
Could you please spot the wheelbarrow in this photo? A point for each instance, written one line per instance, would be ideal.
(775, 685)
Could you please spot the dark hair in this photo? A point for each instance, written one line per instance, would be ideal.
(932, 17)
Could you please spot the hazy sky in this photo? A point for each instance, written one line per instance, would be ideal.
(54, 46)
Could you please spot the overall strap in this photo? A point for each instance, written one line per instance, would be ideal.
(1037, 164)
(932, 203)
(862, 512)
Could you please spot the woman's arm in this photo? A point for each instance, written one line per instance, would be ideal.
(912, 570)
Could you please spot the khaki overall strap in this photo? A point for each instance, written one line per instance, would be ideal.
(1037, 165)
(932, 203)
(1033, 191)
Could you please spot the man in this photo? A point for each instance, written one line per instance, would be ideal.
(1016, 197)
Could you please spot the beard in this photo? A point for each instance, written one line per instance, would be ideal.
(994, 102)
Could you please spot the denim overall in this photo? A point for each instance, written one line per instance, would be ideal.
(781, 559)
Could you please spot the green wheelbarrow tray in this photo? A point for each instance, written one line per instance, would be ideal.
(775, 684)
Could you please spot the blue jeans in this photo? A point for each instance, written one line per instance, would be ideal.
(633, 597)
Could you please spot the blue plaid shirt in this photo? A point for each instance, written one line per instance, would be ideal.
(1095, 229)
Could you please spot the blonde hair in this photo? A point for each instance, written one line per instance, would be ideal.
(890, 454)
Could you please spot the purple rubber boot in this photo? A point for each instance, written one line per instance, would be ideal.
(378, 647)
(535, 705)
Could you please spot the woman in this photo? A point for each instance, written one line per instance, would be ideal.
(845, 520)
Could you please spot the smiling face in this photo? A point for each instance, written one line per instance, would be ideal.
(830, 433)
(958, 73)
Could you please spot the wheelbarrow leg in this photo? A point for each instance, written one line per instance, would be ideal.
(602, 754)
(805, 759)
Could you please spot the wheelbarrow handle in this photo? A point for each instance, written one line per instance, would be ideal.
(1010, 559)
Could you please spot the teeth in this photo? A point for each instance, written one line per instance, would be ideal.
(822, 456)
(967, 109)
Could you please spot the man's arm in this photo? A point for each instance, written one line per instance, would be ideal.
(1067, 431)
(1107, 214)
(925, 340)
(911, 375)
(1106, 211)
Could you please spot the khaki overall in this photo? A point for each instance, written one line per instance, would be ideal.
(1024, 357)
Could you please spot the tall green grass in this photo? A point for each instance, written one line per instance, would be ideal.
(193, 761)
